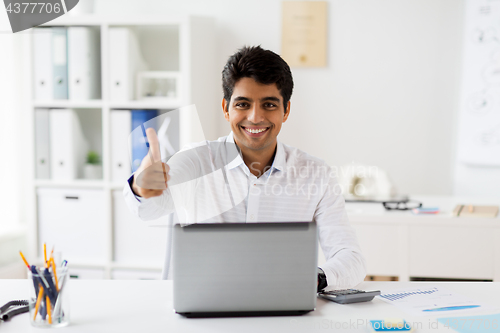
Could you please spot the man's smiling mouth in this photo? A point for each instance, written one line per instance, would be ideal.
(255, 130)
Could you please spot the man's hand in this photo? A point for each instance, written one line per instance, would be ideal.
(150, 179)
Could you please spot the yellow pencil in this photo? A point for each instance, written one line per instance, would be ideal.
(45, 253)
(55, 274)
(38, 300)
(24, 259)
(49, 313)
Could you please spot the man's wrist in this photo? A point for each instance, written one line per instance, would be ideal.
(322, 283)
(131, 182)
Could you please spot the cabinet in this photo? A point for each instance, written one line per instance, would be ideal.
(401, 244)
(96, 232)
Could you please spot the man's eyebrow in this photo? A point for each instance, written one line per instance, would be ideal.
(270, 98)
(241, 98)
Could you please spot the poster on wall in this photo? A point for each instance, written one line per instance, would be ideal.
(304, 33)
(479, 121)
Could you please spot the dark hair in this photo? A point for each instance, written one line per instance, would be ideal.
(263, 66)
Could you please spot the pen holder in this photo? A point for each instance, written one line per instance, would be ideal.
(48, 300)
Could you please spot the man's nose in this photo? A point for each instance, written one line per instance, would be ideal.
(256, 114)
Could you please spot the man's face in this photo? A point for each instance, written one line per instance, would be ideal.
(255, 113)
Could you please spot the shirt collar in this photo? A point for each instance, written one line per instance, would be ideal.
(238, 160)
(279, 161)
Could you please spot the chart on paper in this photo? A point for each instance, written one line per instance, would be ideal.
(429, 301)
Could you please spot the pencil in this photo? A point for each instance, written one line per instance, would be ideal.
(48, 309)
(54, 270)
(38, 300)
(24, 259)
(45, 253)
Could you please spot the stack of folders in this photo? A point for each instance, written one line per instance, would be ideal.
(61, 146)
(66, 63)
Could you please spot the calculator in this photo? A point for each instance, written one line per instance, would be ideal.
(346, 296)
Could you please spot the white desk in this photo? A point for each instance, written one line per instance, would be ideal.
(146, 306)
(399, 243)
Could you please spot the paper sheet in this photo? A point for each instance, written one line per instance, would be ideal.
(431, 301)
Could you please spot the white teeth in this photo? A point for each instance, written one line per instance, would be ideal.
(255, 131)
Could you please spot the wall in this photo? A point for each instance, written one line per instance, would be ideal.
(14, 129)
(388, 96)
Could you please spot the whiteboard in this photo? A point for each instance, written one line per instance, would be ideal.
(479, 121)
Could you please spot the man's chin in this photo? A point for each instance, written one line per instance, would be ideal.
(249, 144)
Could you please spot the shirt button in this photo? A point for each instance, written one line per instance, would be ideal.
(252, 217)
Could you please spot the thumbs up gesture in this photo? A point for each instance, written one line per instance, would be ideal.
(150, 179)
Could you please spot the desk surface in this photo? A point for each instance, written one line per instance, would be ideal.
(135, 306)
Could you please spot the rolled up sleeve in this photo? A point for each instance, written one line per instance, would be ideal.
(345, 265)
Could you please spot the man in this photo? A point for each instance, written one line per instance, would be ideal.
(250, 176)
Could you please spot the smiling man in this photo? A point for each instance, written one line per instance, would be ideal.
(255, 111)
(249, 175)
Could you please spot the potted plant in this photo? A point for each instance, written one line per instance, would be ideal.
(93, 168)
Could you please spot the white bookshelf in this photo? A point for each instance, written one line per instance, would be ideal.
(194, 51)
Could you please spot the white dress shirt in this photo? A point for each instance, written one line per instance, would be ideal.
(211, 183)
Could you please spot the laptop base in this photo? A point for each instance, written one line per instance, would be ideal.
(244, 313)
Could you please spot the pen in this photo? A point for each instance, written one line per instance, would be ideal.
(449, 308)
(36, 281)
(47, 285)
(64, 272)
(57, 308)
(52, 287)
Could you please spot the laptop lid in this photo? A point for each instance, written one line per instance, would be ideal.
(245, 267)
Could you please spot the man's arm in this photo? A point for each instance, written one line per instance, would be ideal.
(146, 191)
(345, 265)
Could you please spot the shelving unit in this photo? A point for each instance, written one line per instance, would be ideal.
(190, 43)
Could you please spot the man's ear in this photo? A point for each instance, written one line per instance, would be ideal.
(287, 111)
(225, 109)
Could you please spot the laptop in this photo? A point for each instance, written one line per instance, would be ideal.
(245, 269)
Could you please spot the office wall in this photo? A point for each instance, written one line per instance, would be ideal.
(388, 96)
(13, 125)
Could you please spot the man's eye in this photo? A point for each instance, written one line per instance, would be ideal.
(270, 105)
(241, 105)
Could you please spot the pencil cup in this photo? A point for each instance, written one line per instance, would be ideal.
(48, 302)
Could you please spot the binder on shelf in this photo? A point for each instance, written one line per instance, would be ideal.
(121, 126)
(60, 63)
(125, 60)
(42, 64)
(42, 144)
(138, 140)
(68, 146)
(84, 63)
